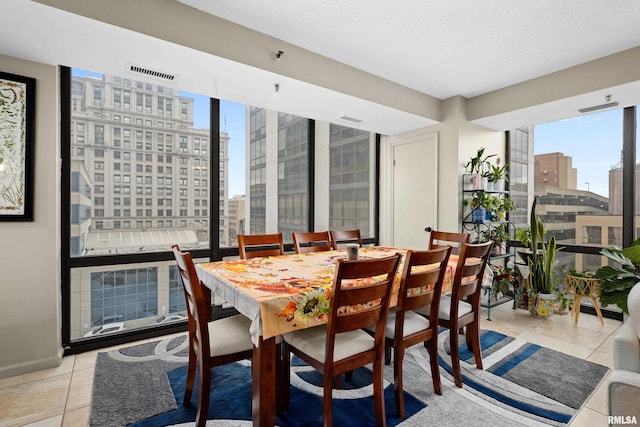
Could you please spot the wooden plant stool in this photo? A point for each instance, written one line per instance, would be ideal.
(587, 287)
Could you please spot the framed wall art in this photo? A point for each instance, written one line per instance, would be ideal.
(17, 128)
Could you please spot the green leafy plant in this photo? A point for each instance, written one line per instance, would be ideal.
(523, 235)
(498, 172)
(477, 163)
(505, 206)
(497, 233)
(503, 280)
(543, 257)
(618, 281)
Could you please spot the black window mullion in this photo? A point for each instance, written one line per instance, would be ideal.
(214, 179)
(628, 176)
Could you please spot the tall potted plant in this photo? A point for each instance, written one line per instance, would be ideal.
(540, 263)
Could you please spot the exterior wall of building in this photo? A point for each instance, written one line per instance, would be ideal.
(555, 170)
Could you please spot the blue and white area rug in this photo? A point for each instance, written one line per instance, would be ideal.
(522, 384)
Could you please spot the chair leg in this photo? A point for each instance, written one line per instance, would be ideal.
(191, 376)
(387, 355)
(433, 361)
(473, 341)
(328, 400)
(348, 376)
(203, 395)
(378, 393)
(397, 379)
(455, 356)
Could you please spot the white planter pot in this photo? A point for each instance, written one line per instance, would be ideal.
(498, 185)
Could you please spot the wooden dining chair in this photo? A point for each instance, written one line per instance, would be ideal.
(439, 239)
(260, 245)
(211, 343)
(462, 308)
(419, 288)
(341, 345)
(340, 238)
(311, 242)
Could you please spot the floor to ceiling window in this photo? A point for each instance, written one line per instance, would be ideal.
(140, 160)
(578, 183)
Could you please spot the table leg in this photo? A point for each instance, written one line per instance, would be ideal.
(264, 383)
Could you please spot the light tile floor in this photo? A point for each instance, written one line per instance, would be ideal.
(60, 397)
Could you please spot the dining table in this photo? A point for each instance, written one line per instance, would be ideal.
(281, 294)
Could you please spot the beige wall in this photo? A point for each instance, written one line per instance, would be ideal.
(30, 302)
(458, 141)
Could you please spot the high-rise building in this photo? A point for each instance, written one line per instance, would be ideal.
(148, 179)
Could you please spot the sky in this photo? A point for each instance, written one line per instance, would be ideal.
(593, 141)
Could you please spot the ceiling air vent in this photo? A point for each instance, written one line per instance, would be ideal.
(152, 73)
(350, 120)
(598, 107)
(601, 106)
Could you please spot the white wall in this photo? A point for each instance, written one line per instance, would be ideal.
(30, 293)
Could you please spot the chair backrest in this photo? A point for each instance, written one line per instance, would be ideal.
(372, 297)
(259, 245)
(340, 238)
(197, 309)
(467, 281)
(439, 239)
(311, 242)
(421, 286)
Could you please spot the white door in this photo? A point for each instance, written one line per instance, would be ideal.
(415, 192)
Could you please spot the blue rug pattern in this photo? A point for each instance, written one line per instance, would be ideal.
(548, 373)
(231, 398)
(142, 386)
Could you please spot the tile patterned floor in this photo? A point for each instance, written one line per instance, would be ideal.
(60, 397)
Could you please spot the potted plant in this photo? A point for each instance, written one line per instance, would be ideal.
(540, 263)
(502, 208)
(497, 175)
(562, 303)
(504, 279)
(478, 204)
(618, 281)
(499, 234)
(477, 167)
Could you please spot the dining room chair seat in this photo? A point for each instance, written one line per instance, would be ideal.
(229, 335)
(413, 322)
(311, 342)
(445, 308)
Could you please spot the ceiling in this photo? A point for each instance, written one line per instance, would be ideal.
(439, 48)
(445, 48)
